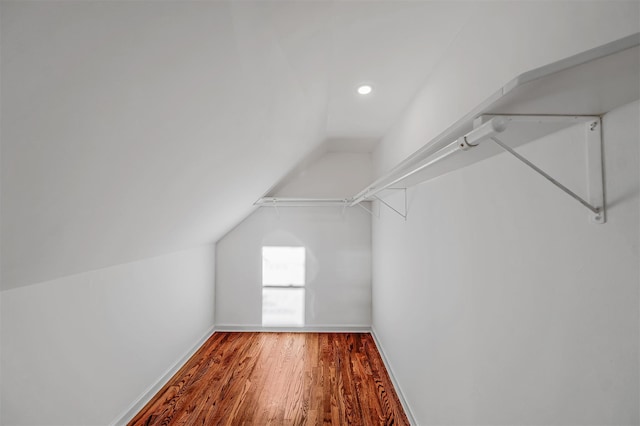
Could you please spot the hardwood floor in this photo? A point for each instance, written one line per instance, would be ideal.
(279, 379)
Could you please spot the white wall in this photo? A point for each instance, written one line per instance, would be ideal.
(333, 175)
(497, 302)
(338, 290)
(79, 350)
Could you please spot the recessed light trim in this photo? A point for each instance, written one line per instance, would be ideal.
(365, 89)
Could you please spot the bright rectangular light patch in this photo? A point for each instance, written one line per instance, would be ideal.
(282, 307)
(283, 266)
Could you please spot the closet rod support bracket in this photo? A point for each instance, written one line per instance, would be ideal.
(406, 207)
(595, 200)
(595, 170)
(395, 210)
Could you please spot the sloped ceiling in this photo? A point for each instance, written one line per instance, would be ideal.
(337, 173)
(134, 129)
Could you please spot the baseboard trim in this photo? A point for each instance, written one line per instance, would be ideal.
(396, 385)
(305, 329)
(152, 390)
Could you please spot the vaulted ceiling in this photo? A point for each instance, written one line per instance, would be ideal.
(134, 129)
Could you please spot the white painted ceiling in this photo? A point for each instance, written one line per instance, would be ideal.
(134, 129)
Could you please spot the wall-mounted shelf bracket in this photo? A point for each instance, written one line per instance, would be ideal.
(404, 213)
(595, 201)
(370, 211)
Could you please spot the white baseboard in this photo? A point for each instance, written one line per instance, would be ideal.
(396, 385)
(151, 391)
(305, 329)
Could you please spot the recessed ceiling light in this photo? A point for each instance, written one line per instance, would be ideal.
(365, 89)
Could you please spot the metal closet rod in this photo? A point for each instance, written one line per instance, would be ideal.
(300, 202)
(471, 139)
(488, 130)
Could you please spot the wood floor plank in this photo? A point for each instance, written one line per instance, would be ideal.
(279, 379)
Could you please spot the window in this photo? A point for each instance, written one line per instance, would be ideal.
(283, 280)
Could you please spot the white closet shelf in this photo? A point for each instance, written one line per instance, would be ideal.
(590, 83)
(577, 89)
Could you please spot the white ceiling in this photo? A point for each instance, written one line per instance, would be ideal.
(134, 129)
